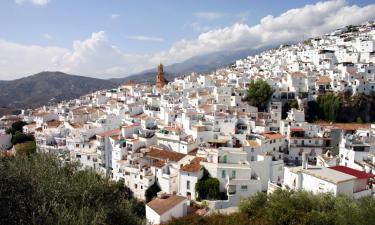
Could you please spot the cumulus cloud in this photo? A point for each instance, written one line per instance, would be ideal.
(35, 2)
(97, 57)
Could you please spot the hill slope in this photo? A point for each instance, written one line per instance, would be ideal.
(44, 87)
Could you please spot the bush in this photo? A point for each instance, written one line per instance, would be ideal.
(40, 189)
(26, 148)
(285, 207)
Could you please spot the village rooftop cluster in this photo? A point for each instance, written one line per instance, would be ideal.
(171, 134)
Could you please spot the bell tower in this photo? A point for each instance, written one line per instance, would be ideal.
(160, 81)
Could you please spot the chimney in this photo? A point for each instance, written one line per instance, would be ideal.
(304, 160)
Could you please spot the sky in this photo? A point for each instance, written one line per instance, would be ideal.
(115, 38)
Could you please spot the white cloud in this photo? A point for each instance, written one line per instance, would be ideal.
(35, 2)
(115, 16)
(208, 15)
(145, 38)
(97, 57)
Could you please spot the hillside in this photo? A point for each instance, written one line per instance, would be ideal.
(45, 87)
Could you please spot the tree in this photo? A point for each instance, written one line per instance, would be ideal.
(19, 137)
(152, 192)
(207, 187)
(41, 189)
(288, 105)
(16, 127)
(254, 205)
(329, 106)
(259, 94)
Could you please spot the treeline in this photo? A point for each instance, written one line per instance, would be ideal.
(40, 189)
(342, 107)
(287, 207)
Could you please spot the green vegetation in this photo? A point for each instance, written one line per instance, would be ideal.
(208, 187)
(40, 189)
(19, 138)
(152, 192)
(259, 94)
(16, 127)
(26, 148)
(329, 105)
(288, 105)
(342, 107)
(287, 207)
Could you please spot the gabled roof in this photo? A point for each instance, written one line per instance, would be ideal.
(353, 172)
(163, 205)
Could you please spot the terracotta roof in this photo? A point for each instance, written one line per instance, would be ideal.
(53, 123)
(272, 135)
(158, 163)
(109, 133)
(297, 129)
(193, 166)
(162, 205)
(346, 126)
(353, 172)
(163, 154)
(324, 79)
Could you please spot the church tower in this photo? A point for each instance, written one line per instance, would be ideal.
(160, 81)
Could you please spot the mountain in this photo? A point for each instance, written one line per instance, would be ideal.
(45, 87)
(202, 63)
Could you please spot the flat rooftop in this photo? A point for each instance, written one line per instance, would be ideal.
(327, 174)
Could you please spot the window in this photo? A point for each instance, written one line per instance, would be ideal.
(187, 184)
(233, 174)
(223, 174)
(244, 187)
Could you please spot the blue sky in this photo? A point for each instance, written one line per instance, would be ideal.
(140, 28)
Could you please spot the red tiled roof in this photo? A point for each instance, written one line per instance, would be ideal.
(193, 166)
(158, 163)
(109, 133)
(162, 205)
(353, 172)
(296, 129)
(272, 135)
(164, 154)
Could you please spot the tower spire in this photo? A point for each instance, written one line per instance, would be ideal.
(160, 81)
